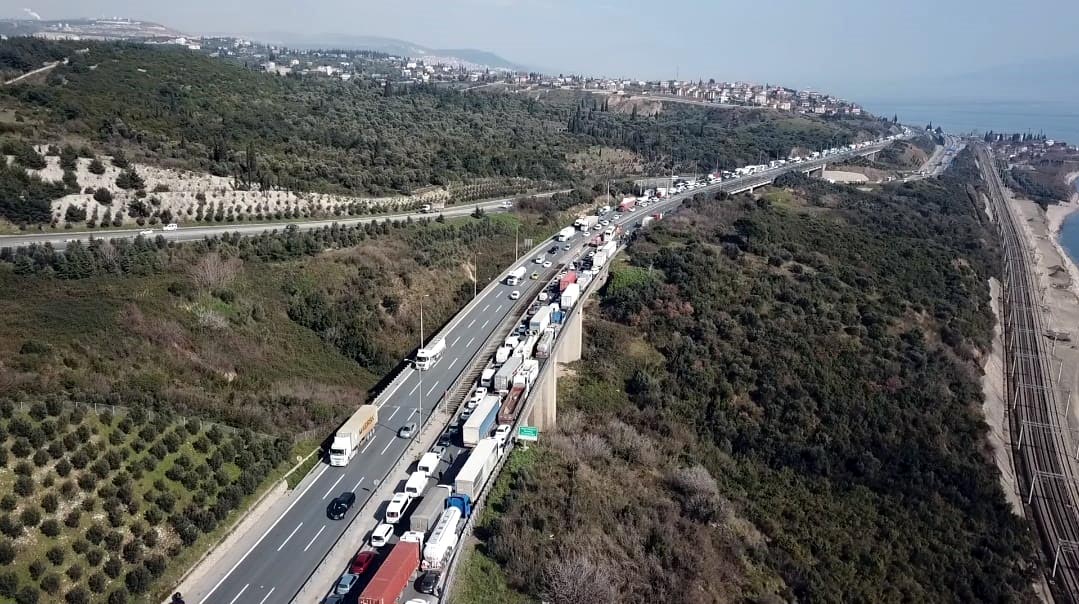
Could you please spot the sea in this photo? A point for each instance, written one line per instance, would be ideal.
(1057, 120)
(1069, 233)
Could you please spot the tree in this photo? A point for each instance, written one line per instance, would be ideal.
(103, 195)
(138, 579)
(55, 555)
(130, 179)
(119, 159)
(96, 167)
(7, 552)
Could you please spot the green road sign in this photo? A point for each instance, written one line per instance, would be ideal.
(527, 433)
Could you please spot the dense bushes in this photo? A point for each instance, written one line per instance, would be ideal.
(105, 473)
(790, 391)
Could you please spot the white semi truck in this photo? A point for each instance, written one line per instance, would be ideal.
(351, 434)
(427, 357)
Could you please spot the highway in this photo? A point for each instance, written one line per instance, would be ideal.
(1041, 442)
(59, 239)
(277, 565)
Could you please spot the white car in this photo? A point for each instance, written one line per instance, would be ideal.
(381, 535)
(172, 226)
(538, 260)
(147, 233)
(597, 227)
(507, 204)
(547, 264)
(502, 433)
(515, 295)
(605, 222)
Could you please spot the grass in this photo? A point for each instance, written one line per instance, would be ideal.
(137, 457)
(481, 581)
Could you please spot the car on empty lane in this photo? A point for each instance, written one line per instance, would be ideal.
(340, 505)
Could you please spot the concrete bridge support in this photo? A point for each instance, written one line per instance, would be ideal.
(544, 412)
(572, 337)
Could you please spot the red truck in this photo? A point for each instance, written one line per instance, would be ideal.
(627, 205)
(393, 576)
(563, 283)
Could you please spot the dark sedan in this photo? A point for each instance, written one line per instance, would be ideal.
(340, 505)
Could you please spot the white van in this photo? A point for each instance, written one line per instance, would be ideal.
(428, 464)
(395, 510)
(416, 484)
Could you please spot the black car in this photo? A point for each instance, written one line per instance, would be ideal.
(340, 506)
(428, 582)
(553, 250)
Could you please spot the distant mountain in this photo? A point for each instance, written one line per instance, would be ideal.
(392, 46)
(88, 29)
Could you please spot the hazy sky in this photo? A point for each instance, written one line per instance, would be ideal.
(857, 48)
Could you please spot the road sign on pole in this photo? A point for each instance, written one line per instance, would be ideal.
(528, 433)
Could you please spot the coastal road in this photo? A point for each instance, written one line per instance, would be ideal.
(277, 565)
(1041, 442)
(59, 239)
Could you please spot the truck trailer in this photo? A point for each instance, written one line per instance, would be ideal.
(585, 223)
(394, 575)
(504, 377)
(481, 421)
(546, 341)
(426, 514)
(474, 474)
(442, 540)
(352, 433)
(565, 234)
(570, 296)
(522, 385)
(540, 320)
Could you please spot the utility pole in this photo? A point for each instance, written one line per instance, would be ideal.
(517, 242)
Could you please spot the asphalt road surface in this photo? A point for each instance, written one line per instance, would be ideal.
(277, 566)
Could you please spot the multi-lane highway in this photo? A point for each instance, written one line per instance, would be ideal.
(1041, 441)
(280, 561)
(59, 239)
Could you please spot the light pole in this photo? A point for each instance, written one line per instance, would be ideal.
(517, 242)
(419, 399)
(475, 274)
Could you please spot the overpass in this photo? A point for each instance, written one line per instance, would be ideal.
(300, 547)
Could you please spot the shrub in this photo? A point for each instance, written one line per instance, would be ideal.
(49, 502)
(97, 582)
(56, 451)
(103, 195)
(80, 546)
(9, 584)
(63, 467)
(50, 583)
(55, 555)
(8, 502)
(77, 595)
(132, 551)
(138, 579)
(10, 526)
(95, 533)
(149, 538)
(94, 556)
(7, 552)
(74, 572)
(113, 541)
(36, 569)
(74, 213)
(72, 518)
(87, 482)
(96, 167)
(21, 447)
(118, 596)
(113, 567)
(27, 595)
(155, 564)
(30, 515)
(40, 458)
(23, 469)
(24, 485)
(50, 528)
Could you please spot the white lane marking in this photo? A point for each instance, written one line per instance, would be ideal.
(369, 443)
(414, 388)
(330, 490)
(357, 485)
(485, 323)
(411, 414)
(396, 409)
(469, 342)
(233, 601)
(390, 393)
(252, 548)
(486, 307)
(431, 389)
(267, 596)
(315, 537)
(454, 362)
(289, 536)
(472, 323)
(454, 343)
(499, 309)
(386, 448)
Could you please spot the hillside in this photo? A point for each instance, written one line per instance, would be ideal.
(173, 108)
(778, 400)
(282, 333)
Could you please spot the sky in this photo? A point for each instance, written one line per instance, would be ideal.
(853, 48)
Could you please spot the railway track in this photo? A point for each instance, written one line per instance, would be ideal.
(1041, 443)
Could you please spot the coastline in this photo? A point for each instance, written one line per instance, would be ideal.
(1055, 215)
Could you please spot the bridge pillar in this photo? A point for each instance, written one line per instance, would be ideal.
(543, 415)
(572, 337)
